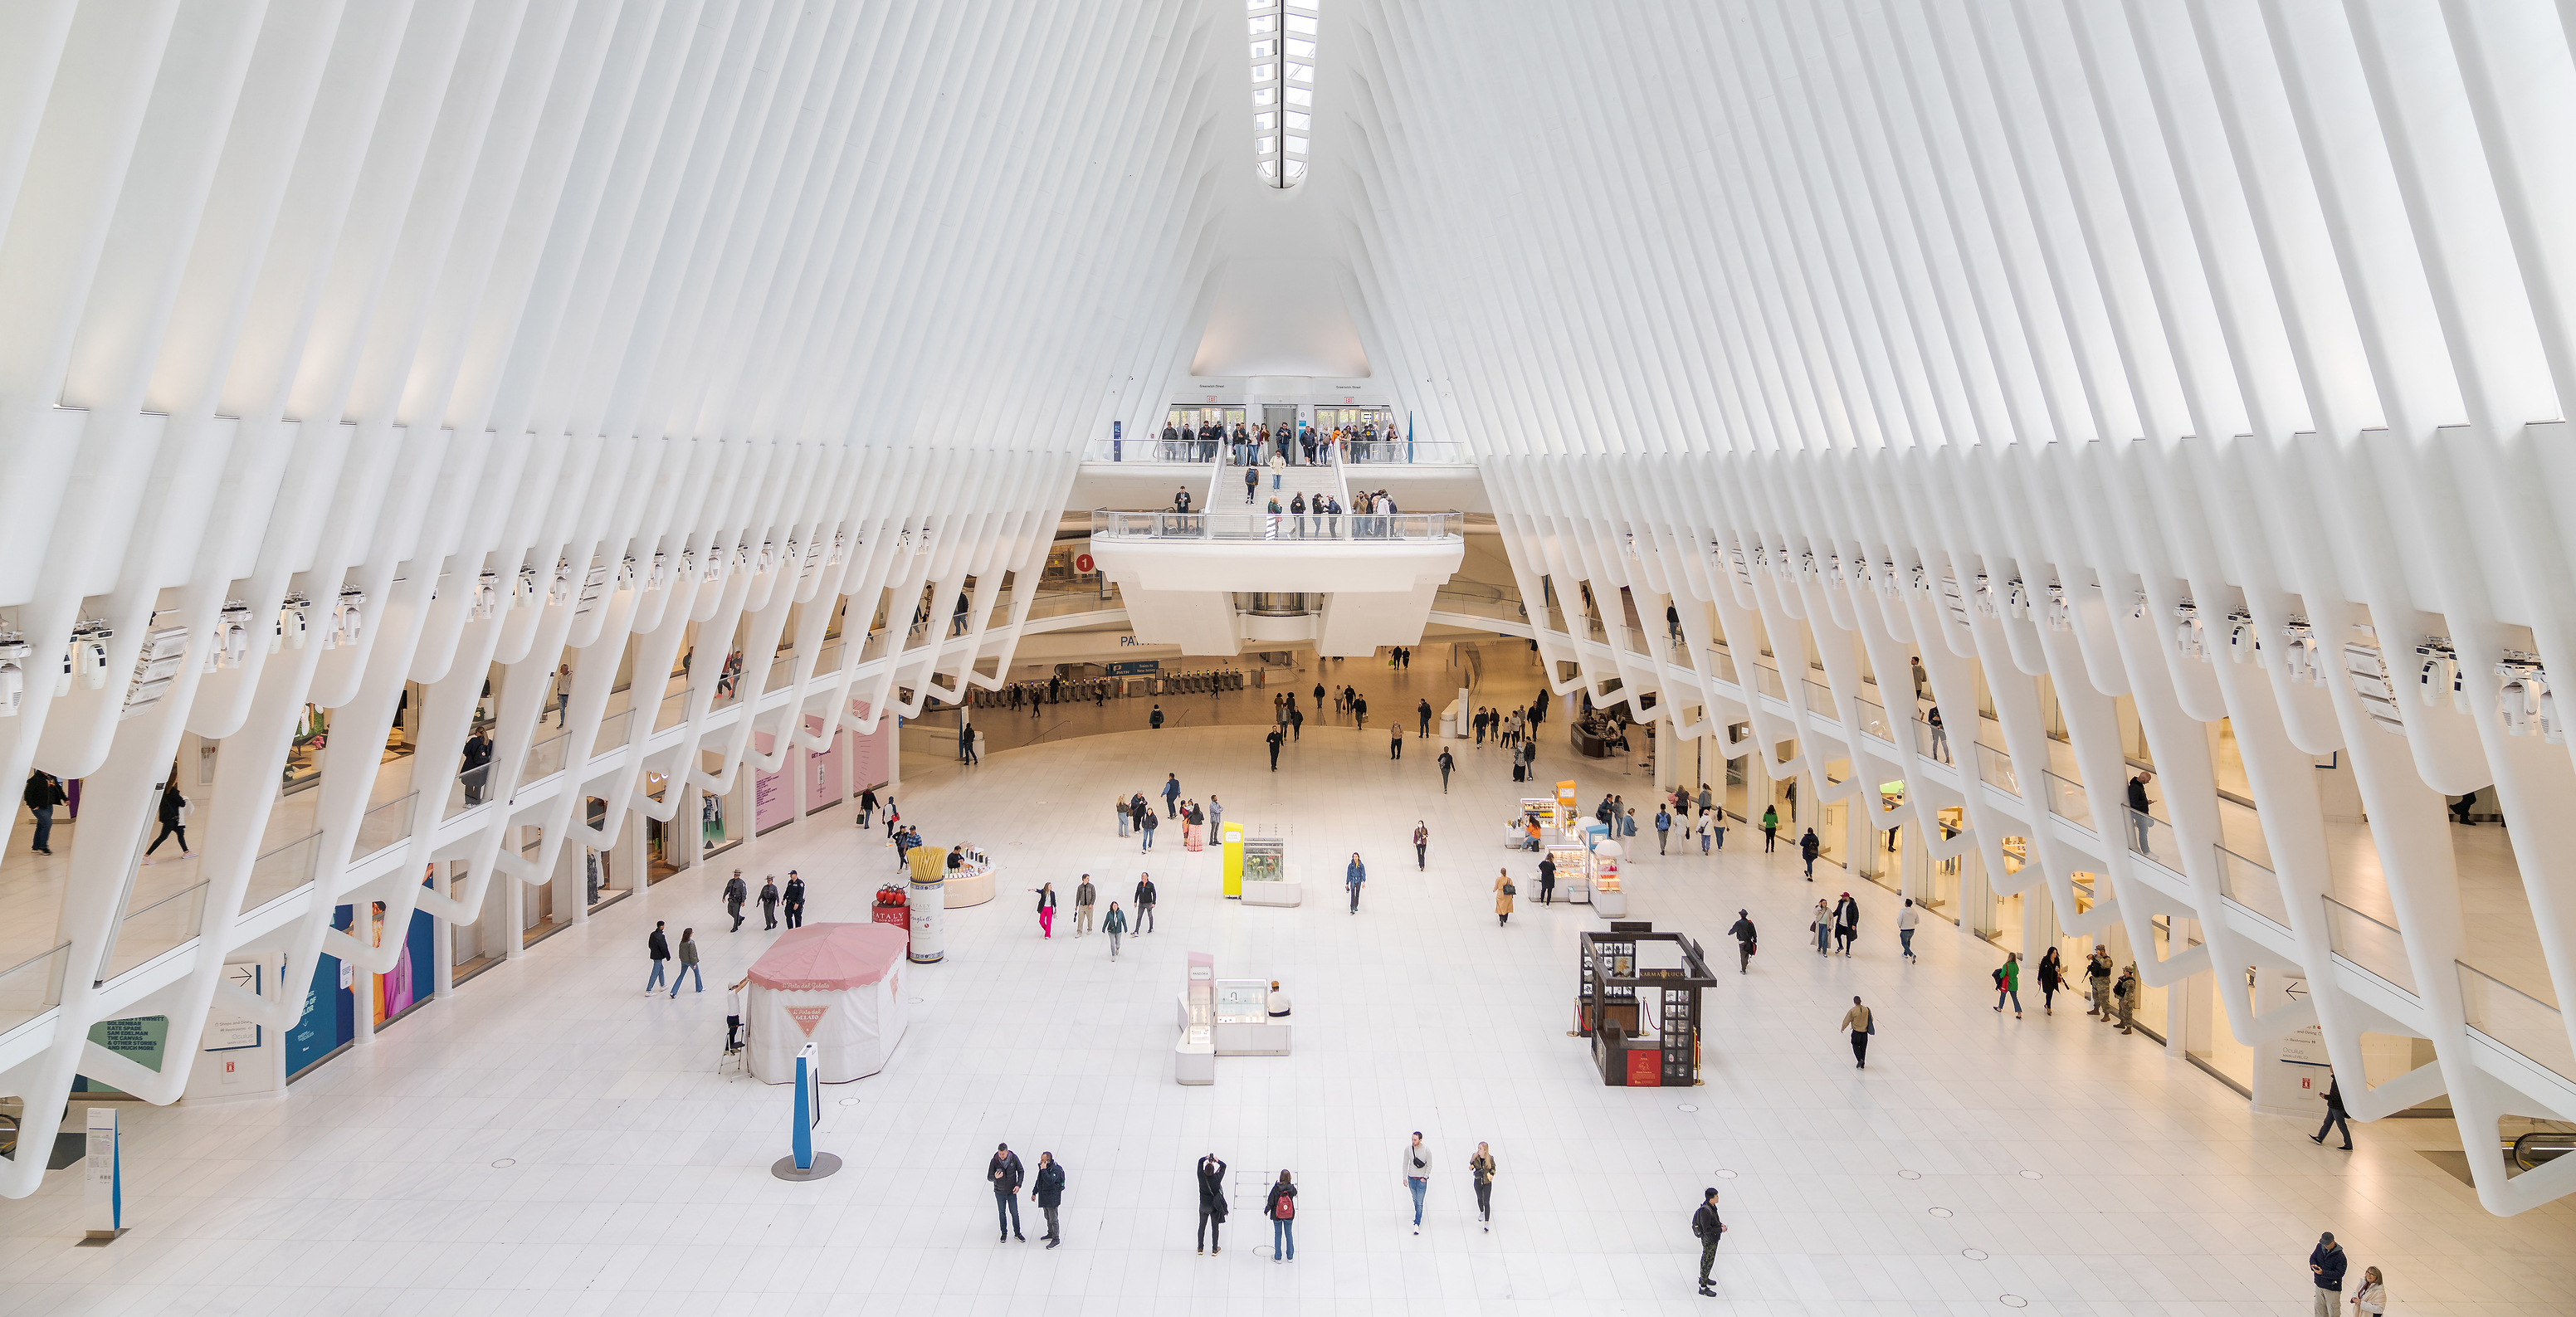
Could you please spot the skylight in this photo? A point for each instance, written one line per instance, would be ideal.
(1282, 35)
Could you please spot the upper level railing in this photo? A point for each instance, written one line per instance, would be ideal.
(1356, 452)
(1289, 526)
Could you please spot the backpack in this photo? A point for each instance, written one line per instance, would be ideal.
(1287, 1209)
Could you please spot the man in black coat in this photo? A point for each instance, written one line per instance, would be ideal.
(659, 948)
(1049, 1193)
(1707, 1228)
(474, 766)
(1003, 1173)
(1274, 738)
(44, 792)
(1742, 928)
(795, 900)
(735, 893)
(1211, 1175)
(2334, 1115)
(1144, 904)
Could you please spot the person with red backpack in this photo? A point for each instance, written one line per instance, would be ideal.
(1281, 1208)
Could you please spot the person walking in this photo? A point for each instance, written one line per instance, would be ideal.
(1145, 898)
(2371, 1299)
(1808, 848)
(1422, 714)
(1745, 941)
(1906, 919)
(1274, 740)
(1663, 827)
(1150, 825)
(1002, 1173)
(688, 963)
(1083, 896)
(2098, 972)
(1113, 923)
(1359, 711)
(793, 900)
(1124, 817)
(2326, 1263)
(1707, 1229)
(1860, 1026)
(2052, 976)
(1155, 719)
(735, 893)
(659, 948)
(2334, 1114)
(1503, 893)
(2008, 983)
(1046, 910)
(1319, 692)
(173, 813)
(867, 805)
(1417, 1176)
(1171, 794)
(769, 901)
(1846, 923)
(1352, 877)
(1421, 845)
(1395, 742)
(1480, 1170)
(1547, 880)
(1447, 763)
(1296, 722)
(44, 792)
(1048, 1192)
(1770, 829)
(1280, 1205)
(1823, 927)
(1211, 1178)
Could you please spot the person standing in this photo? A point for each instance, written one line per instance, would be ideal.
(1002, 1173)
(1145, 899)
(659, 948)
(2098, 972)
(1940, 734)
(2371, 1299)
(1770, 829)
(2008, 983)
(1547, 880)
(1211, 1178)
(2139, 819)
(1858, 1023)
(688, 963)
(1421, 845)
(1155, 719)
(733, 1015)
(1822, 925)
(1359, 711)
(2125, 994)
(1422, 713)
(1503, 892)
(1745, 939)
(1417, 1176)
(1150, 825)
(1319, 690)
(1480, 1169)
(1663, 828)
(1395, 742)
(769, 901)
(1808, 849)
(1281, 1207)
(1125, 816)
(474, 766)
(1846, 923)
(735, 893)
(1046, 910)
(794, 900)
(2334, 1114)
(1906, 919)
(1113, 923)
(1352, 877)
(1048, 1191)
(1446, 764)
(2326, 1263)
(1083, 896)
(45, 792)
(1707, 1229)
(1171, 794)
(2052, 976)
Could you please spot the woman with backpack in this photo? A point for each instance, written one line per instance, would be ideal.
(1281, 1207)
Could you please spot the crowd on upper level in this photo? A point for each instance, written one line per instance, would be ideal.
(1257, 444)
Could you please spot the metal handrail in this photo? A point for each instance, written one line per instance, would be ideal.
(1341, 527)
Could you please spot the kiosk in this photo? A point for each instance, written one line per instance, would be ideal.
(1638, 1000)
(837, 987)
(1194, 1055)
(1265, 878)
(970, 883)
(1243, 1023)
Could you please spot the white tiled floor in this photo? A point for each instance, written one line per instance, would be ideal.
(641, 1183)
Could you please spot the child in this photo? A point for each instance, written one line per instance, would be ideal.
(1703, 834)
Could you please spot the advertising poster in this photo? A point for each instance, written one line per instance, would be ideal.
(771, 805)
(870, 763)
(139, 1040)
(824, 785)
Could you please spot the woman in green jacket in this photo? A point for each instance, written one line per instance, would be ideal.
(1114, 924)
(2008, 983)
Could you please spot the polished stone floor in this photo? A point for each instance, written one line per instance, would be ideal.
(1978, 1164)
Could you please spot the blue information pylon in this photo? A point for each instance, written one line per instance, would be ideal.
(804, 1163)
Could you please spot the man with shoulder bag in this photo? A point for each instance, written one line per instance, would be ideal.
(1707, 1228)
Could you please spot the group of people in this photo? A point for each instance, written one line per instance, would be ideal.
(1198, 821)
(772, 899)
(1116, 923)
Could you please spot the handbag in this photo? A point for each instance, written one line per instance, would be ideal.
(1511, 889)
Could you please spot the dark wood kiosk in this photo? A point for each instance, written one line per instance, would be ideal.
(1642, 1017)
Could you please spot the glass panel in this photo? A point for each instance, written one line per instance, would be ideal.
(1873, 721)
(2252, 886)
(2502, 1012)
(612, 730)
(385, 825)
(1820, 701)
(674, 709)
(282, 871)
(1994, 768)
(2066, 800)
(2155, 839)
(1300, 96)
(1721, 665)
(32, 986)
(154, 929)
(2368, 943)
(1766, 680)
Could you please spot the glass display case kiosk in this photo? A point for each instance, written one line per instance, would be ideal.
(1265, 873)
(1194, 1056)
(1573, 870)
(1638, 1000)
(1243, 1023)
(1607, 900)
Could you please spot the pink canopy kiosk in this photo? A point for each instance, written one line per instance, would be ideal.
(837, 986)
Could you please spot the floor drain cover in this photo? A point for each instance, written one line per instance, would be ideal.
(1688, 1107)
(1910, 1175)
(2015, 1301)
(849, 1102)
(1726, 1175)
(506, 1161)
(1941, 1211)
(1973, 1254)
(2031, 1175)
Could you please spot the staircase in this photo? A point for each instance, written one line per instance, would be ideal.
(1225, 489)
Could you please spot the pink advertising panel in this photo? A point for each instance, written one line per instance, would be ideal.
(824, 785)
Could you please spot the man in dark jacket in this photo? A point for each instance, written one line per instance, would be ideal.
(1048, 1191)
(44, 792)
(1422, 714)
(769, 902)
(2138, 816)
(1547, 880)
(1742, 928)
(1144, 904)
(474, 766)
(1707, 1229)
(1274, 739)
(2326, 1263)
(1809, 847)
(1211, 1175)
(794, 900)
(867, 805)
(735, 893)
(2334, 1115)
(1003, 1173)
(1171, 795)
(659, 948)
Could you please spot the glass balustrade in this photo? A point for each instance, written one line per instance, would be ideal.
(2518, 1020)
(150, 930)
(384, 826)
(1721, 665)
(672, 711)
(2067, 801)
(282, 870)
(1280, 526)
(782, 670)
(2155, 839)
(1766, 681)
(2366, 942)
(32, 986)
(1995, 769)
(612, 732)
(1873, 721)
(1932, 742)
(1820, 701)
(2252, 886)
